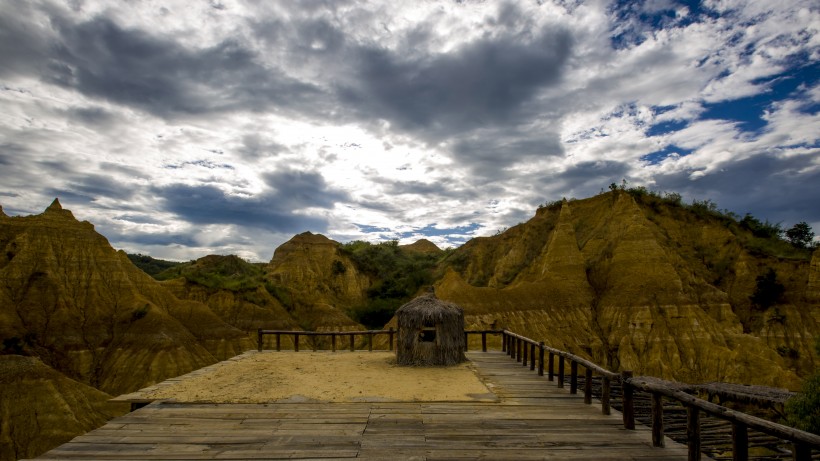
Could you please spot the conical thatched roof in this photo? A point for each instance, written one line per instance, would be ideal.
(428, 307)
(428, 312)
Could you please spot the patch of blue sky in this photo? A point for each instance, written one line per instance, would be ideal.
(666, 127)
(647, 19)
(657, 157)
(431, 230)
(748, 112)
(367, 229)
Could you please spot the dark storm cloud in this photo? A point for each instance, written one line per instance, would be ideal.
(98, 186)
(90, 116)
(92, 187)
(125, 170)
(127, 66)
(777, 189)
(23, 42)
(482, 83)
(255, 147)
(317, 38)
(10, 152)
(579, 180)
(144, 238)
(275, 210)
(488, 155)
(440, 189)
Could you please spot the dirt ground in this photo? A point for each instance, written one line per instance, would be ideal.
(326, 377)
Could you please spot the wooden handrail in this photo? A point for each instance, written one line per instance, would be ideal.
(260, 334)
(522, 349)
(752, 422)
(803, 442)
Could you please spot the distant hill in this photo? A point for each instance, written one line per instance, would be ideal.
(637, 281)
(422, 246)
(85, 310)
(151, 266)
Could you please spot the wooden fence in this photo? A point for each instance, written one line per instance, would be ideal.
(351, 335)
(524, 350)
(536, 354)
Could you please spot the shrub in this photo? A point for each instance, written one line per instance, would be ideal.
(761, 229)
(768, 291)
(803, 410)
(800, 235)
(397, 275)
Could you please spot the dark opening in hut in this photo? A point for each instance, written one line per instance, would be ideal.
(430, 332)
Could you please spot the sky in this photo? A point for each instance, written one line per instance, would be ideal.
(182, 128)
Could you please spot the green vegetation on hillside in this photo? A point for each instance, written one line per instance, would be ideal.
(151, 266)
(218, 272)
(398, 275)
(803, 410)
(759, 237)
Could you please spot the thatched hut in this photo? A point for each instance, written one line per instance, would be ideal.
(430, 332)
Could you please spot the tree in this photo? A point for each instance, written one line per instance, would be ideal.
(768, 291)
(800, 235)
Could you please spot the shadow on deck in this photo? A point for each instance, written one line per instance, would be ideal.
(531, 420)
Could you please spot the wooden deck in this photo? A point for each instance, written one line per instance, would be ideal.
(533, 419)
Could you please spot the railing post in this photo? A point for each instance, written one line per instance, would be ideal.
(259, 340)
(390, 335)
(315, 342)
(296, 342)
(606, 387)
(693, 432)
(503, 341)
(369, 341)
(541, 358)
(525, 357)
(483, 341)
(352, 342)
(551, 372)
(518, 345)
(466, 341)
(532, 356)
(628, 400)
(657, 420)
(573, 377)
(333, 342)
(561, 371)
(740, 441)
(588, 386)
(278, 342)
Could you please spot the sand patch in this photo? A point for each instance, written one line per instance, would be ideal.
(324, 376)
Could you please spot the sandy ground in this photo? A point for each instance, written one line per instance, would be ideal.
(327, 377)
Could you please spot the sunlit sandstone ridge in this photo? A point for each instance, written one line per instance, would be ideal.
(654, 290)
(85, 310)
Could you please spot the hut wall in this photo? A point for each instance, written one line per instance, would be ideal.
(446, 349)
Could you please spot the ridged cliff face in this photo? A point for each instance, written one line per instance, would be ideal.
(41, 408)
(652, 290)
(320, 280)
(84, 309)
(87, 312)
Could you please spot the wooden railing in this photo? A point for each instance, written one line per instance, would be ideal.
(534, 353)
(524, 349)
(369, 334)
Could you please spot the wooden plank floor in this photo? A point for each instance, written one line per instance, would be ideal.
(533, 419)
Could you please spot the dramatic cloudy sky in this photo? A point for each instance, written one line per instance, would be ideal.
(182, 128)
